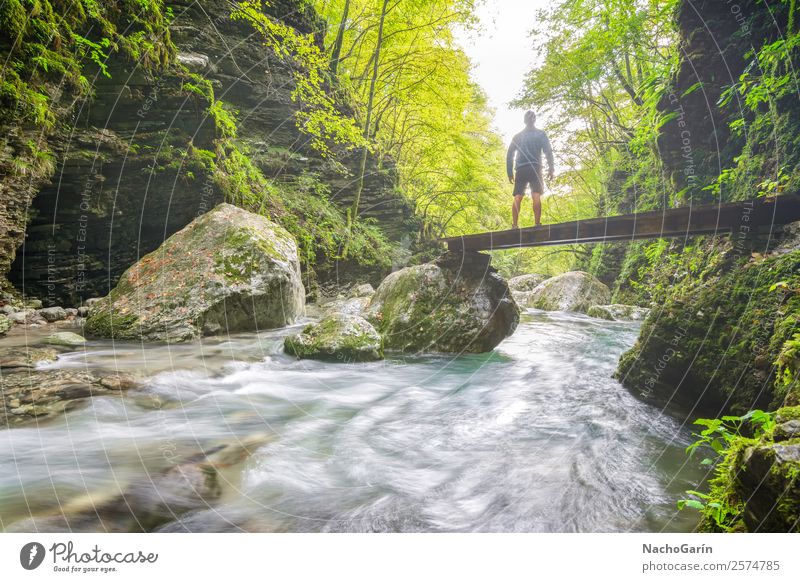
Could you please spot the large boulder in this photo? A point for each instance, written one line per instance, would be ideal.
(618, 312)
(352, 306)
(458, 303)
(522, 287)
(573, 291)
(229, 270)
(338, 336)
(526, 282)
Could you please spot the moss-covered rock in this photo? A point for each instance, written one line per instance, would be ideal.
(523, 285)
(618, 312)
(526, 282)
(338, 336)
(64, 338)
(573, 291)
(361, 290)
(352, 306)
(758, 480)
(726, 344)
(5, 324)
(229, 270)
(458, 303)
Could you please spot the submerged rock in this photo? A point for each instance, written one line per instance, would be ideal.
(154, 499)
(64, 338)
(458, 303)
(25, 357)
(573, 291)
(338, 336)
(618, 312)
(39, 394)
(229, 270)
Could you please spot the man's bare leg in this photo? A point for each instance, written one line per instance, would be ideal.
(515, 211)
(537, 207)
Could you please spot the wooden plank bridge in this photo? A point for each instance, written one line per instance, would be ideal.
(750, 216)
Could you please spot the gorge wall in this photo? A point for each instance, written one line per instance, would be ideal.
(139, 156)
(726, 308)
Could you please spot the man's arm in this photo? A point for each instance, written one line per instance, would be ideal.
(512, 149)
(548, 151)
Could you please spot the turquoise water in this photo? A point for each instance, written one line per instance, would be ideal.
(534, 437)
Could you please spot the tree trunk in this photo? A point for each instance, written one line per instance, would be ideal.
(353, 214)
(336, 53)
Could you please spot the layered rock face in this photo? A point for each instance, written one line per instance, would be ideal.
(458, 303)
(716, 38)
(122, 185)
(126, 175)
(229, 270)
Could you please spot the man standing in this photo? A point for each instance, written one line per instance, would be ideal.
(528, 146)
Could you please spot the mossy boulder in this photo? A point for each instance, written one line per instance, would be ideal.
(352, 306)
(526, 282)
(361, 290)
(64, 338)
(758, 479)
(5, 324)
(618, 312)
(228, 270)
(725, 345)
(523, 285)
(573, 291)
(338, 336)
(458, 303)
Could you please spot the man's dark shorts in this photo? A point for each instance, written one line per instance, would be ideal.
(525, 175)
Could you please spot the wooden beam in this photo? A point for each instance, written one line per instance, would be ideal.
(686, 221)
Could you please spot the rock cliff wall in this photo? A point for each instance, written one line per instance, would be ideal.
(127, 170)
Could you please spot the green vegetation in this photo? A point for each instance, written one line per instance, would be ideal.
(415, 102)
(723, 439)
(754, 486)
(54, 45)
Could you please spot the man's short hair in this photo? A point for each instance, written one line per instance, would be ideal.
(530, 117)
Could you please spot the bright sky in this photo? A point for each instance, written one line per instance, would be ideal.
(502, 53)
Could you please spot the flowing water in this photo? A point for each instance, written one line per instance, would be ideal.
(535, 436)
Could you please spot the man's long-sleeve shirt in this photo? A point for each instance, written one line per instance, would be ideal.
(528, 146)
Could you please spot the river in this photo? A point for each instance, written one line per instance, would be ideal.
(533, 437)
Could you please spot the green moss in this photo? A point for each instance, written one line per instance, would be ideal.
(756, 480)
(108, 325)
(55, 46)
(724, 331)
(787, 413)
